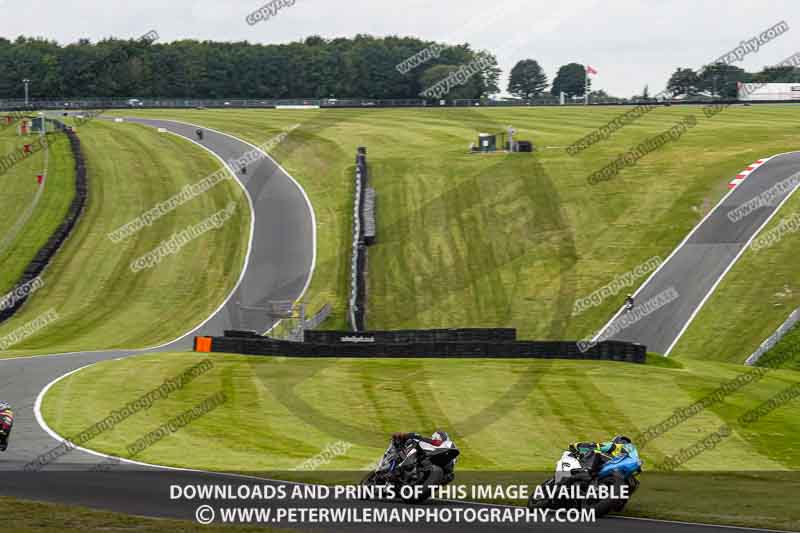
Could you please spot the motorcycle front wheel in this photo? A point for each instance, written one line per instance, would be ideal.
(434, 477)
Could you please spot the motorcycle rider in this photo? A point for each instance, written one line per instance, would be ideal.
(6, 421)
(595, 455)
(438, 437)
(629, 303)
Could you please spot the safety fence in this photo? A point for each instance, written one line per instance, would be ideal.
(272, 103)
(299, 332)
(56, 240)
(289, 103)
(775, 338)
(605, 351)
(363, 236)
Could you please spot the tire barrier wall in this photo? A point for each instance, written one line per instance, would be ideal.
(358, 261)
(53, 244)
(604, 351)
(368, 215)
(413, 336)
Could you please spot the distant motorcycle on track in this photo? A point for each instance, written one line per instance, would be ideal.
(629, 303)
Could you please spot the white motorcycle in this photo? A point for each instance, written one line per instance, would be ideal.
(583, 469)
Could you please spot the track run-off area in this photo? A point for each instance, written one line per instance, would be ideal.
(279, 266)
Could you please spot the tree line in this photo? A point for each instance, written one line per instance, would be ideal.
(362, 66)
(528, 80)
(721, 80)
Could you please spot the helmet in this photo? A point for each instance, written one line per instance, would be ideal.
(622, 439)
(439, 437)
(4, 406)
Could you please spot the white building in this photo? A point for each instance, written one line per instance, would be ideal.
(769, 91)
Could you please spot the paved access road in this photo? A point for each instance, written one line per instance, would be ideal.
(688, 277)
(279, 267)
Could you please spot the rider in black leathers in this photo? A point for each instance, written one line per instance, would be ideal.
(400, 439)
(629, 303)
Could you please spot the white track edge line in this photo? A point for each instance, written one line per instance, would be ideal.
(681, 245)
(728, 268)
(674, 251)
(57, 437)
(40, 398)
(241, 276)
(296, 183)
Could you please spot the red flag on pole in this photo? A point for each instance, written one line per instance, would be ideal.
(40, 179)
(590, 70)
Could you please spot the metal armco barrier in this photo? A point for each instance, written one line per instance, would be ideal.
(53, 244)
(775, 338)
(604, 351)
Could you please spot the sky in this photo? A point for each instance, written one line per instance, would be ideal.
(630, 43)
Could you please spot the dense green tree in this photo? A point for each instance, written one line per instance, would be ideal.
(778, 75)
(684, 81)
(571, 79)
(722, 80)
(363, 66)
(489, 77)
(527, 79)
(473, 87)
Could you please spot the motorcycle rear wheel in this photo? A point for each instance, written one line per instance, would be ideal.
(541, 503)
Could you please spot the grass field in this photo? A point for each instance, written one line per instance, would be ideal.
(281, 411)
(506, 240)
(100, 303)
(30, 217)
(757, 295)
(33, 517)
(512, 240)
(505, 415)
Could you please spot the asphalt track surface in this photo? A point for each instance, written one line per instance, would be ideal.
(280, 264)
(697, 266)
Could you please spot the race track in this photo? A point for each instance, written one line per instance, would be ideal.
(698, 264)
(279, 267)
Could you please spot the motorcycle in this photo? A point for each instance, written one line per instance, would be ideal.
(417, 462)
(585, 467)
(6, 422)
(628, 305)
